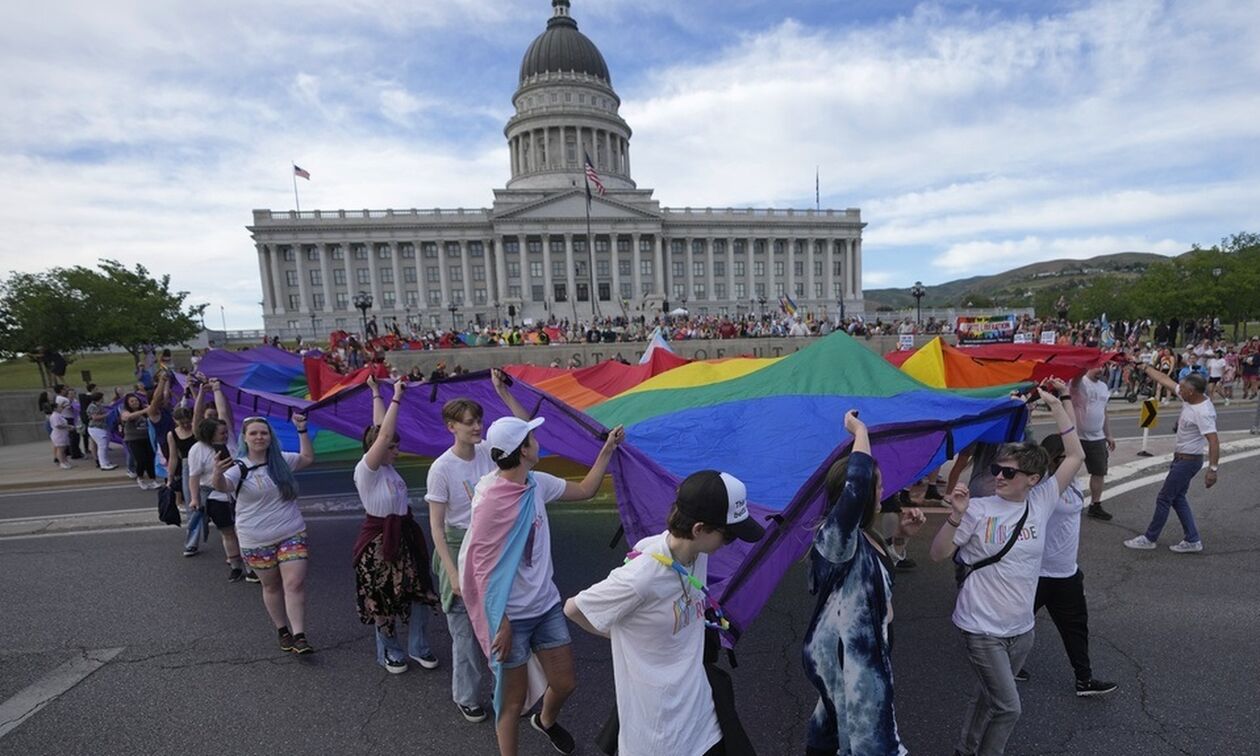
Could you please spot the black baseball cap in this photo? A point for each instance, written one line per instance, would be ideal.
(718, 499)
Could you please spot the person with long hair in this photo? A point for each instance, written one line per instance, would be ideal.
(135, 422)
(269, 525)
(997, 543)
(98, 430)
(179, 441)
(391, 558)
(205, 504)
(848, 644)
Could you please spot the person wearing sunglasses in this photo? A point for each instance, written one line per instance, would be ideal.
(997, 543)
(653, 608)
(269, 525)
(848, 644)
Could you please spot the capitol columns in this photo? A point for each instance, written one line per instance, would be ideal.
(444, 275)
(549, 287)
(811, 254)
(466, 273)
(500, 270)
(829, 271)
(636, 275)
(264, 271)
(614, 264)
(571, 273)
(374, 275)
(304, 293)
(730, 275)
(659, 278)
(325, 274)
(395, 255)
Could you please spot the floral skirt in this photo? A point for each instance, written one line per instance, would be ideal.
(386, 590)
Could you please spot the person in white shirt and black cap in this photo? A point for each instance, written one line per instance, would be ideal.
(653, 608)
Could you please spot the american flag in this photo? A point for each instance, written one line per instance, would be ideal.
(299, 172)
(592, 177)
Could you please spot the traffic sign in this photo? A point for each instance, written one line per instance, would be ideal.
(1149, 417)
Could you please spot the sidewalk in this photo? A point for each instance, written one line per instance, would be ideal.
(31, 467)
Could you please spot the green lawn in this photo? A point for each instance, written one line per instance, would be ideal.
(108, 370)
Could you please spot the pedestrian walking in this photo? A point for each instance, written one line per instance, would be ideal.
(98, 429)
(135, 421)
(59, 432)
(207, 505)
(391, 558)
(269, 524)
(1089, 399)
(1196, 434)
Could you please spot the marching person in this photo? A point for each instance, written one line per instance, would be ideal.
(449, 494)
(1196, 434)
(848, 645)
(391, 558)
(1089, 398)
(997, 543)
(204, 502)
(653, 607)
(1061, 586)
(507, 578)
(269, 524)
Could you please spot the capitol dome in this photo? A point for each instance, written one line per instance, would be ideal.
(563, 49)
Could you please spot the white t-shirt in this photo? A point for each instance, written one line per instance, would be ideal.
(534, 590)
(1090, 403)
(262, 517)
(201, 460)
(656, 624)
(1195, 421)
(383, 492)
(1063, 535)
(452, 482)
(998, 600)
(1216, 367)
(60, 433)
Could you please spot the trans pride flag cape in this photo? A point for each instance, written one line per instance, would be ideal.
(502, 517)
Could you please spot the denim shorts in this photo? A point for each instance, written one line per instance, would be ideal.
(551, 630)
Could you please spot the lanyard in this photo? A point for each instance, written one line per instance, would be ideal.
(671, 563)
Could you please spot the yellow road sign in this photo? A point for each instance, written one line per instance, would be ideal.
(1149, 417)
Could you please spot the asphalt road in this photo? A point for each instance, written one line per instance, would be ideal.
(198, 671)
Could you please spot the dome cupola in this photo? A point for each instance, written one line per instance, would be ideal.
(563, 49)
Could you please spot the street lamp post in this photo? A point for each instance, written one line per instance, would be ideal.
(363, 303)
(918, 292)
(453, 310)
(314, 335)
(762, 301)
(407, 310)
(498, 322)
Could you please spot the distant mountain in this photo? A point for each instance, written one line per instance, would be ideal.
(1013, 286)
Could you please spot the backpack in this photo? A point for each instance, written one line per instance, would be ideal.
(245, 471)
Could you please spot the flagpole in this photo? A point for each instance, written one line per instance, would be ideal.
(293, 170)
(817, 194)
(590, 251)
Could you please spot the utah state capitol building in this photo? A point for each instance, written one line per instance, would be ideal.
(528, 253)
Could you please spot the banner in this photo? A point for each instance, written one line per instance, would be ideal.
(905, 342)
(1048, 337)
(1023, 337)
(994, 329)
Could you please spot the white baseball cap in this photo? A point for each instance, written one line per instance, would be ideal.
(507, 433)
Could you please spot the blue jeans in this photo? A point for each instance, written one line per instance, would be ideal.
(196, 517)
(994, 708)
(417, 643)
(1173, 495)
(467, 661)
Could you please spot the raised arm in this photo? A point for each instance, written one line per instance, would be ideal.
(375, 456)
(306, 452)
(499, 379)
(836, 540)
(161, 398)
(943, 541)
(961, 462)
(1164, 380)
(199, 405)
(590, 484)
(378, 404)
(222, 406)
(1064, 418)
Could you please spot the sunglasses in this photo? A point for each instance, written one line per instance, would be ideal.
(1006, 472)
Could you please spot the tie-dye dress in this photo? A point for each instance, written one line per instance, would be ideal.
(848, 645)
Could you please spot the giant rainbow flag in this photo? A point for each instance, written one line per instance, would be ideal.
(997, 366)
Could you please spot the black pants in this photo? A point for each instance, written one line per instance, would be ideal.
(1064, 598)
(142, 452)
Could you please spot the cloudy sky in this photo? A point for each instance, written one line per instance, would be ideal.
(973, 136)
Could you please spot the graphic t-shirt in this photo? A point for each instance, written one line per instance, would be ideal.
(452, 481)
(997, 600)
(382, 491)
(656, 622)
(262, 516)
(1195, 421)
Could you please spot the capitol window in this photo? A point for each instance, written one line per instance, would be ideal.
(433, 275)
(645, 268)
(479, 272)
(289, 255)
(429, 250)
(343, 300)
(623, 267)
(362, 275)
(291, 277)
(455, 273)
(679, 269)
(339, 276)
(409, 275)
(338, 253)
(778, 268)
(759, 268)
(535, 269)
(739, 267)
(387, 275)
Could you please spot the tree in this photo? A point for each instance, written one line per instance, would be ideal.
(38, 309)
(134, 309)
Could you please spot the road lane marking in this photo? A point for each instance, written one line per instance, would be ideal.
(28, 701)
(1123, 488)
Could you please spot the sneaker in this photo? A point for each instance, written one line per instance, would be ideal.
(66, 466)
(1186, 547)
(131, 474)
(107, 468)
(560, 738)
(428, 661)
(1092, 687)
(190, 551)
(1140, 542)
(906, 564)
(1022, 676)
(301, 646)
(472, 713)
(236, 575)
(252, 577)
(140, 484)
(286, 639)
(1098, 513)
(395, 666)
